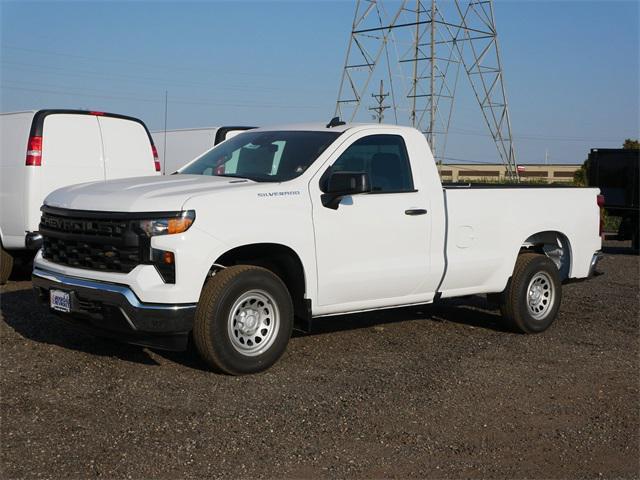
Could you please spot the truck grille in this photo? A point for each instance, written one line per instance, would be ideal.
(77, 240)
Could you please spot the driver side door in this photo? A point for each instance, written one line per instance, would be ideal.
(373, 249)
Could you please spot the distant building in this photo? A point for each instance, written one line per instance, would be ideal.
(552, 173)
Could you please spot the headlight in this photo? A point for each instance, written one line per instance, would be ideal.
(169, 225)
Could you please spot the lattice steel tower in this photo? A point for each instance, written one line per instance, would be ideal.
(423, 47)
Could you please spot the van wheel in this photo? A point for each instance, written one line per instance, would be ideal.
(243, 321)
(6, 265)
(532, 298)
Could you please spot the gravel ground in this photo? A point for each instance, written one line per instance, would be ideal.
(437, 391)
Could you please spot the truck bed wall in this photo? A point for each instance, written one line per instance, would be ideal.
(487, 227)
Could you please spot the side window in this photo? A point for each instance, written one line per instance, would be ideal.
(383, 157)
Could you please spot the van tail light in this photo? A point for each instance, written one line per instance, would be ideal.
(34, 152)
(600, 202)
(97, 114)
(156, 161)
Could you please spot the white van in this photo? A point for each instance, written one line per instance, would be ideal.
(184, 145)
(41, 151)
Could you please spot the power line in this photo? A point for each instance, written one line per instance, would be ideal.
(539, 137)
(132, 96)
(464, 160)
(129, 62)
(149, 100)
(142, 79)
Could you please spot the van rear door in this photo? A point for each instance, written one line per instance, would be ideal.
(71, 153)
(127, 148)
(14, 136)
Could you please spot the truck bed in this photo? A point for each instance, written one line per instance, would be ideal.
(487, 225)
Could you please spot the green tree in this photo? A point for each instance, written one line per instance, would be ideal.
(630, 144)
(580, 177)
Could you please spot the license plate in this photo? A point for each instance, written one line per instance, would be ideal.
(60, 301)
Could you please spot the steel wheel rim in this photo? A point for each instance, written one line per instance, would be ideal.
(253, 324)
(540, 295)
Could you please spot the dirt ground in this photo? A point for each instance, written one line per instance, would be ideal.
(437, 391)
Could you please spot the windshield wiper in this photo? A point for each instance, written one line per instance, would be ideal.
(232, 175)
(254, 179)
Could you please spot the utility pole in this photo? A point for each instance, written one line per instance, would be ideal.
(380, 108)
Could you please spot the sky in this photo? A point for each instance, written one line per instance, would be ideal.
(571, 68)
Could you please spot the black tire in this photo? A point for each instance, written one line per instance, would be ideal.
(6, 265)
(212, 333)
(514, 306)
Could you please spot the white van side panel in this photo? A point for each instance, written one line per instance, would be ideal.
(127, 148)
(14, 136)
(71, 153)
(182, 146)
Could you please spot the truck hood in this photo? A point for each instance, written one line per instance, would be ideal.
(140, 194)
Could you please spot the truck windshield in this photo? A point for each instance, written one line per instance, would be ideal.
(274, 156)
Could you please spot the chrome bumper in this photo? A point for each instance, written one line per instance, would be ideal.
(115, 311)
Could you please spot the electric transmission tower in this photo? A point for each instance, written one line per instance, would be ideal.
(380, 107)
(422, 48)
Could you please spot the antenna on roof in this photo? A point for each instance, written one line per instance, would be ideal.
(335, 122)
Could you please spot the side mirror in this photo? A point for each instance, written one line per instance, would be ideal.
(342, 184)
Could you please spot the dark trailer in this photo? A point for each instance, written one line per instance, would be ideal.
(616, 171)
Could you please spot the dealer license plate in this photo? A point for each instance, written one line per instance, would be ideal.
(60, 301)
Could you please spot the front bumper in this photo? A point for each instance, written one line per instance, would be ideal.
(114, 310)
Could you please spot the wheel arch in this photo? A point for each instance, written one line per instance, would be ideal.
(555, 245)
(281, 259)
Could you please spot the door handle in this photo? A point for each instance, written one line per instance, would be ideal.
(415, 211)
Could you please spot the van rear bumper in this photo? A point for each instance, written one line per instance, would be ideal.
(114, 311)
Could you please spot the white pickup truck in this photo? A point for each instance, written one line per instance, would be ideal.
(278, 225)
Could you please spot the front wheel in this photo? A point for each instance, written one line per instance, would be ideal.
(531, 301)
(243, 321)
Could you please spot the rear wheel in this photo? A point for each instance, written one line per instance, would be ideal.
(531, 301)
(6, 265)
(243, 321)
